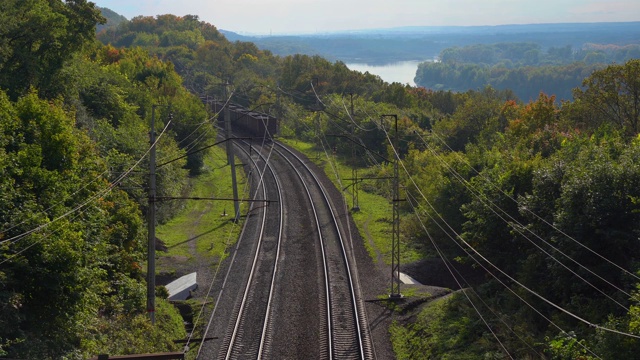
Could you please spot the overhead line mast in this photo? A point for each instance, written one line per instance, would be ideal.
(230, 157)
(354, 169)
(395, 241)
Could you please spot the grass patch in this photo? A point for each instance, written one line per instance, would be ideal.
(439, 332)
(447, 328)
(133, 333)
(201, 229)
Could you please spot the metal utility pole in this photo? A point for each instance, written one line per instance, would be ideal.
(230, 157)
(354, 169)
(354, 173)
(278, 112)
(317, 110)
(395, 241)
(151, 223)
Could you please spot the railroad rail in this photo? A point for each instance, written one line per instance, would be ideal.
(247, 337)
(345, 321)
(298, 298)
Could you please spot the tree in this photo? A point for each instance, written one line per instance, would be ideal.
(64, 275)
(36, 39)
(613, 96)
(475, 119)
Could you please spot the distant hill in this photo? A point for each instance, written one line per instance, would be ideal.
(380, 46)
(113, 18)
(384, 46)
(232, 36)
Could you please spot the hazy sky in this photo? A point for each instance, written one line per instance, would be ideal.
(310, 16)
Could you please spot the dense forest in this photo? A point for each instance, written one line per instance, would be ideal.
(524, 68)
(74, 125)
(541, 197)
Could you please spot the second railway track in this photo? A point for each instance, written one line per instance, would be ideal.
(345, 332)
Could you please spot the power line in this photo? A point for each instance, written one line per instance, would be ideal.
(79, 207)
(536, 215)
(450, 266)
(567, 312)
(469, 299)
(515, 281)
(491, 206)
(96, 178)
(457, 236)
(397, 240)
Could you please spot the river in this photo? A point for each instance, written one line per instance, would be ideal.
(402, 72)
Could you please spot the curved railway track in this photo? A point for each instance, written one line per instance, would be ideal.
(299, 298)
(247, 336)
(344, 331)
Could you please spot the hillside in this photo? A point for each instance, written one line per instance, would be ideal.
(113, 19)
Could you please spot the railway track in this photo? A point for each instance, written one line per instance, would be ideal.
(247, 337)
(299, 298)
(344, 333)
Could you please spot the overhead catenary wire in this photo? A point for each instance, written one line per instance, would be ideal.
(577, 317)
(369, 153)
(473, 305)
(350, 117)
(44, 211)
(294, 96)
(198, 139)
(559, 308)
(82, 205)
(395, 150)
(527, 289)
(457, 236)
(518, 229)
(520, 226)
(453, 238)
(477, 253)
(340, 182)
(466, 295)
(227, 243)
(338, 179)
(451, 269)
(44, 237)
(491, 206)
(218, 267)
(627, 272)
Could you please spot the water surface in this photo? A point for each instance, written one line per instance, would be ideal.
(402, 72)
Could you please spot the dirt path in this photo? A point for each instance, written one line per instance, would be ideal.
(193, 249)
